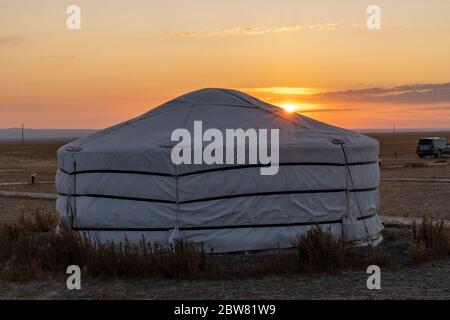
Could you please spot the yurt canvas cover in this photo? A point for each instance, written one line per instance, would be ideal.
(121, 181)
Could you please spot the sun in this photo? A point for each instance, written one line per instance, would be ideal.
(290, 107)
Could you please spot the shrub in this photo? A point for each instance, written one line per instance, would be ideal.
(378, 257)
(319, 251)
(430, 240)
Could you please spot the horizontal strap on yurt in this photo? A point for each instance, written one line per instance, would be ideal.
(234, 167)
(241, 226)
(231, 196)
(146, 173)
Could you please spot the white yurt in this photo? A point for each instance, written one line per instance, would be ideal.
(122, 181)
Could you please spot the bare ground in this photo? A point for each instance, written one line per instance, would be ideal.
(428, 281)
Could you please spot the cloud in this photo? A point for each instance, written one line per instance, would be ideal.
(55, 57)
(326, 110)
(246, 31)
(260, 30)
(407, 94)
(10, 40)
(290, 91)
(444, 108)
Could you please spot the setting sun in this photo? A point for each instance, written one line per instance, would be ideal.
(290, 107)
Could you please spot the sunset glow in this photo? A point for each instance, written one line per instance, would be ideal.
(135, 55)
(285, 90)
(290, 107)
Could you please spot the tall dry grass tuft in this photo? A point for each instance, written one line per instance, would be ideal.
(31, 248)
(430, 240)
(39, 221)
(24, 244)
(183, 260)
(378, 257)
(319, 251)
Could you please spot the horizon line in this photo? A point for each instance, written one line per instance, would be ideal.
(355, 129)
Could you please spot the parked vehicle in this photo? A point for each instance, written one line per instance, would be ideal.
(433, 146)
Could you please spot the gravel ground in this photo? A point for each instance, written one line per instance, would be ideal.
(429, 281)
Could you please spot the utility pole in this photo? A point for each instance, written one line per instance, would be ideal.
(23, 135)
(393, 136)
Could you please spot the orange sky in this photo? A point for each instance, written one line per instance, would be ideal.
(130, 56)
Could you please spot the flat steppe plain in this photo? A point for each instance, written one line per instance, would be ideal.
(398, 198)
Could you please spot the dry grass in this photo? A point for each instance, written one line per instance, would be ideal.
(40, 221)
(320, 252)
(430, 240)
(377, 256)
(33, 150)
(31, 248)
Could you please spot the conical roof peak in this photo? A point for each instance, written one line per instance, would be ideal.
(217, 96)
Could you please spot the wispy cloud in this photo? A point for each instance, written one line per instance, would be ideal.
(407, 94)
(10, 40)
(245, 31)
(412, 98)
(260, 30)
(316, 110)
(290, 91)
(437, 108)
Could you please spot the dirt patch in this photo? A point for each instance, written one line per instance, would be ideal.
(12, 208)
(415, 199)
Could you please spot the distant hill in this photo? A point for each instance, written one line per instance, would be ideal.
(44, 134)
(402, 130)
